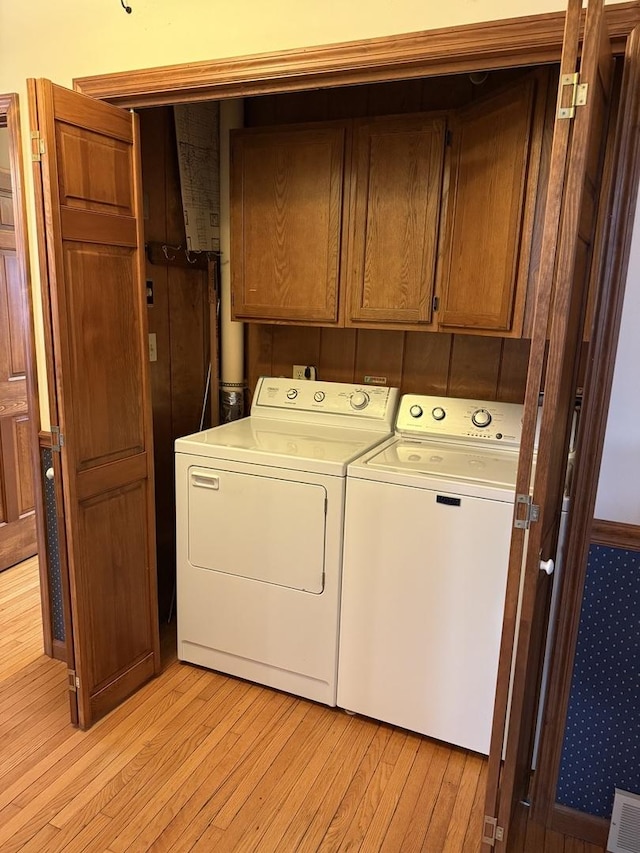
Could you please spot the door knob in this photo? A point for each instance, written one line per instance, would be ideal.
(547, 566)
(49, 473)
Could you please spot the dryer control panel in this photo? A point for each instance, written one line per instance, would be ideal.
(456, 419)
(331, 403)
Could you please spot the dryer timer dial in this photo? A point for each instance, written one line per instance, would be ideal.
(359, 400)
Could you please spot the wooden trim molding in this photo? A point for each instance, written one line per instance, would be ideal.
(594, 830)
(535, 39)
(45, 438)
(614, 534)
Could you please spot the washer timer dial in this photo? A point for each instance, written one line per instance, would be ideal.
(359, 400)
(481, 418)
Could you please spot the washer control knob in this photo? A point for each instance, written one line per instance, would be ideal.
(292, 393)
(438, 413)
(359, 400)
(481, 418)
(318, 396)
(415, 411)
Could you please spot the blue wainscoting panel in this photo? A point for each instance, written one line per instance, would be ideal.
(601, 749)
(53, 550)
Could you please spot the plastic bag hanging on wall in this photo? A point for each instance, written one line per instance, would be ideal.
(198, 141)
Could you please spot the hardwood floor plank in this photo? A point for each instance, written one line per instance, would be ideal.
(439, 823)
(308, 779)
(471, 842)
(348, 805)
(199, 761)
(465, 797)
(421, 815)
(410, 793)
(391, 795)
(191, 792)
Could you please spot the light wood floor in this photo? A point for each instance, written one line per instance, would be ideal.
(197, 761)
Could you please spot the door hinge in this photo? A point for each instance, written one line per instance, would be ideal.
(578, 95)
(436, 303)
(57, 439)
(532, 512)
(74, 681)
(37, 146)
(491, 831)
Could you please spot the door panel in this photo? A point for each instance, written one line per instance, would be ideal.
(491, 145)
(560, 305)
(399, 165)
(95, 266)
(17, 512)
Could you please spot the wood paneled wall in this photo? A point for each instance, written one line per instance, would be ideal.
(179, 317)
(416, 362)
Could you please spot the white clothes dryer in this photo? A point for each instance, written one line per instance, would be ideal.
(428, 522)
(260, 511)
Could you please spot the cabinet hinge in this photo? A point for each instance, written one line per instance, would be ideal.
(436, 303)
(491, 831)
(74, 681)
(532, 512)
(37, 146)
(577, 95)
(57, 439)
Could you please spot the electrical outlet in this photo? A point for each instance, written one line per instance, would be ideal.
(304, 371)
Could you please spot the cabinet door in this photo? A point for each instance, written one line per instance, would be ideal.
(286, 220)
(398, 187)
(482, 283)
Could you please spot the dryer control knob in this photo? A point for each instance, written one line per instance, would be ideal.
(438, 413)
(359, 400)
(415, 411)
(292, 393)
(481, 418)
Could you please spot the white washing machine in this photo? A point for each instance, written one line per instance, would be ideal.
(428, 522)
(260, 510)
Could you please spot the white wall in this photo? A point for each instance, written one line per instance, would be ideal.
(66, 39)
(619, 488)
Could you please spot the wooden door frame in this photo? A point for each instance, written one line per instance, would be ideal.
(583, 530)
(532, 40)
(10, 118)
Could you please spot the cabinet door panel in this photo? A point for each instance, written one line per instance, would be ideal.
(491, 145)
(286, 219)
(398, 174)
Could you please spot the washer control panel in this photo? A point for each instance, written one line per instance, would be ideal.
(453, 418)
(276, 396)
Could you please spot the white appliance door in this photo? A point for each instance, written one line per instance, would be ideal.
(423, 591)
(262, 528)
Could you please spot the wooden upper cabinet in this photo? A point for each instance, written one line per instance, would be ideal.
(286, 222)
(398, 167)
(494, 159)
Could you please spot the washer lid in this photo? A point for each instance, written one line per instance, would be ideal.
(431, 464)
(295, 446)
